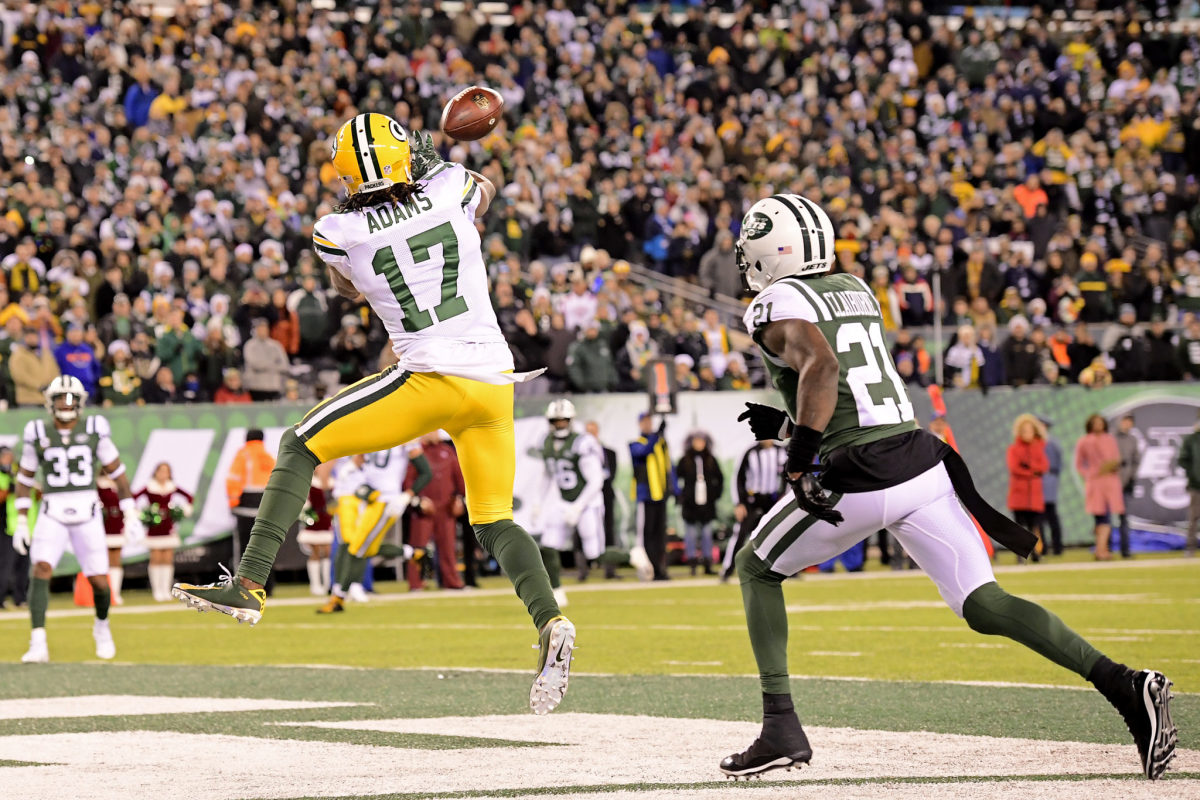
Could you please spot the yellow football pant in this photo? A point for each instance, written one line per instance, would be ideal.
(395, 407)
(363, 525)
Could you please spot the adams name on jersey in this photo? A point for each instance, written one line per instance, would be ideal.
(69, 463)
(872, 402)
(420, 266)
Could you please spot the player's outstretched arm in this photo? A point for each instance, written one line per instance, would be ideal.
(489, 192)
(342, 285)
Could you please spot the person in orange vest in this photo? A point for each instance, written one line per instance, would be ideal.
(248, 474)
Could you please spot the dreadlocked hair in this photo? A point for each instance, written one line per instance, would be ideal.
(396, 193)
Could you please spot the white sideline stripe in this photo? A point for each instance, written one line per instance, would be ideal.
(123, 705)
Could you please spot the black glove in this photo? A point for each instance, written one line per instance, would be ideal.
(814, 499)
(766, 422)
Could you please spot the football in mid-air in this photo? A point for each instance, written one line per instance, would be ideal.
(472, 113)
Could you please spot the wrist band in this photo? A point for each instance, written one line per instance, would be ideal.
(23, 504)
(26, 480)
(802, 448)
(118, 472)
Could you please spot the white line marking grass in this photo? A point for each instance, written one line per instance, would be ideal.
(122, 705)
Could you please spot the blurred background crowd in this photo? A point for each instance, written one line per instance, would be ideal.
(1028, 183)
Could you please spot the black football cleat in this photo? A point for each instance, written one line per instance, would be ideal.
(1144, 700)
(781, 745)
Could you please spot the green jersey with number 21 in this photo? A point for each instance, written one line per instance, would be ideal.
(420, 266)
(872, 403)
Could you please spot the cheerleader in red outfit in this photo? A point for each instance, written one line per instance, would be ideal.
(159, 516)
(316, 534)
(114, 534)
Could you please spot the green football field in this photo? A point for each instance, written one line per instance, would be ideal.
(425, 695)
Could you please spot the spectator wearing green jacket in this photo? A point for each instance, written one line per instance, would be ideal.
(1189, 461)
(177, 348)
(590, 365)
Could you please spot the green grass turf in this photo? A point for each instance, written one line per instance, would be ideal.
(881, 628)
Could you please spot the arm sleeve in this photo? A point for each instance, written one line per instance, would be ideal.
(591, 464)
(29, 458)
(106, 451)
(472, 195)
(424, 473)
(644, 446)
(331, 252)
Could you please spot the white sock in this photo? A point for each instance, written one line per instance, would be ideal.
(157, 575)
(116, 575)
(324, 576)
(37, 636)
(168, 579)
(314, 576)
(100, 624)
(338, 591)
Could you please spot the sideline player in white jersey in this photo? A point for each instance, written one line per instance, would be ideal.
(405, 238)
(376, 503)
(821, 339)
(70, 457)
(574, 466)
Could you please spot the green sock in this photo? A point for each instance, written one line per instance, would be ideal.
(39, 598)
(282, 501)
(517, 554)
(341, 563)
(553, 563)
(103, 599)
(356, 568)
(766, 620)
(991, 610)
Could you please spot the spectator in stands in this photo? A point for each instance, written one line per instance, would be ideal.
(265, 363)
(964, 360)
(1022, 361)
(1050, 483)
(1027, 464)
(119, 383)
(1187, 353)
(718, 270)
(590, 363)
(162, 389)
(1098, 461)
(1124, 344)
(231, 389)
(76, 358)
(33, 366)
(1161, 347)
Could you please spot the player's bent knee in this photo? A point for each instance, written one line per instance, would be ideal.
(983, 609)
(43, 570)
(290, 446)
(752, 568)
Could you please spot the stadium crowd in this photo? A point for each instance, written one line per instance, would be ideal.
(159, 179)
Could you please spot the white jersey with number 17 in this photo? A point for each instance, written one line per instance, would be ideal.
(420, 266)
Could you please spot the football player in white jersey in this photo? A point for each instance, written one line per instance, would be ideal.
(377, 503)
(70, 457)
(405, 238)
(571, 493)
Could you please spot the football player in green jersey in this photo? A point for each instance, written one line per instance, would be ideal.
(574, 465)
(70, 454)
(857, 462)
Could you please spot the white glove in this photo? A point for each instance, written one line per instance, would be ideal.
(396, 504)
(186, 508)
(571, 514)
(21, 535)
(135, 531)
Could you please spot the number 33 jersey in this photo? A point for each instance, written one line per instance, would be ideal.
(872, 403)
(69, 463)
(420, 266)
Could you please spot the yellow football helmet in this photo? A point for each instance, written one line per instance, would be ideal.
(371, 152)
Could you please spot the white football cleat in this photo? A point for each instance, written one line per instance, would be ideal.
(106, 648)
(560, 597)
(556, 641)
(358, 594)
(641, 562)
(39, 652)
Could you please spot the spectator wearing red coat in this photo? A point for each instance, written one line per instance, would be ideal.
(1027, 464)
(436, 521)
(162, 497)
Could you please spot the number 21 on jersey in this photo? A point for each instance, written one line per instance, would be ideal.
(871, 379)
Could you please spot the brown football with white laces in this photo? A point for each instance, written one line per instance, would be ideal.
(472, 113)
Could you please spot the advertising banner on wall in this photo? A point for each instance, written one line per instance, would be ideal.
(199, 442)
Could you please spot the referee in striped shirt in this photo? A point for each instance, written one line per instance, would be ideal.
(760, 483)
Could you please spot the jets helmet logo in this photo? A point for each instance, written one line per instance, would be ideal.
(758, 226)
